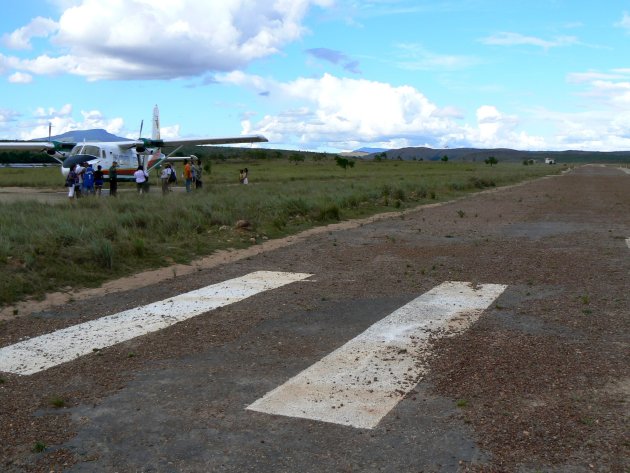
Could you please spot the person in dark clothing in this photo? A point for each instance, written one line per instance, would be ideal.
(198, 171)
(98, 180)
(113, 179)
(70, 181)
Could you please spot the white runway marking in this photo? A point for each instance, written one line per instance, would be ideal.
(360, 382)
(40, 353)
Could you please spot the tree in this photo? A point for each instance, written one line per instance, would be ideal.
(256, 154)
(344, 163)
(491, 160)
(444, 158)
(296, 158)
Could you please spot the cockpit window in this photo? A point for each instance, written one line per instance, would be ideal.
(90, 150)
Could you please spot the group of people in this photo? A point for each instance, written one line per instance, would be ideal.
(193, 175)
(82, 180)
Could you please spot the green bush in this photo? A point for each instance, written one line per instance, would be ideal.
(103, 253)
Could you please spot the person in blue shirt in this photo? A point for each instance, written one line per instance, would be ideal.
(88, 180)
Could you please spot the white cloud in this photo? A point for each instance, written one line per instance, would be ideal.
(605, 123)
(7, 117)
(339, 110)
(141, 39)
(517, 39)
(340, 113)
(20, 78)
(48, 113)
(595, 131)
(62, 120)
(417, 57)
(581, 77)
(611, 90)
(625, 21)
(449, 112)
(169, 132)
(21, 38)
(498, 130)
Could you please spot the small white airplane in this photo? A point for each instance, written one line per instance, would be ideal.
(129, 155)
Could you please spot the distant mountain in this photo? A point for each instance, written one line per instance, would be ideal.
(502, 154)
(97, 134)
(371, 150)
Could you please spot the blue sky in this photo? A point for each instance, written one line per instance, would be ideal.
(327, 75)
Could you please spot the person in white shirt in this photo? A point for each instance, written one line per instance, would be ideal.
(80, 169)
(165, 176)
(141, 179)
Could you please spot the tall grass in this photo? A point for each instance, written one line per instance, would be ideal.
(34, 177)
(46, 247)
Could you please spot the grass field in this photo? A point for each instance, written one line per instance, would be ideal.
(82, 243)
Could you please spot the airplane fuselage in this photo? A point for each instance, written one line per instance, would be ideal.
(105, 153)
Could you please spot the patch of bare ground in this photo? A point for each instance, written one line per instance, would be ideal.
(535, 399)
(34, 409)
(545, 379)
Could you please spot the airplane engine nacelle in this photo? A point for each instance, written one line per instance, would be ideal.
(140, 149)
(51, 152)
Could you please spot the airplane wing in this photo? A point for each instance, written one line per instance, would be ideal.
(204, 141)
(49, 146)
(217, 141)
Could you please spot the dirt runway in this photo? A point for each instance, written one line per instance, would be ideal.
(540, 382)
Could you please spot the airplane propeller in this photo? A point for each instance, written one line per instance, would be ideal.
(141, 146)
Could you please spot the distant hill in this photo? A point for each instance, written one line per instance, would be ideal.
(501, 154)
(354, 154)
(96, 134)
(371, 150)
(76, 136)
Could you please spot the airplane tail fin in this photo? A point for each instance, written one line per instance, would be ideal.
(156, 124)
(156, 157)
